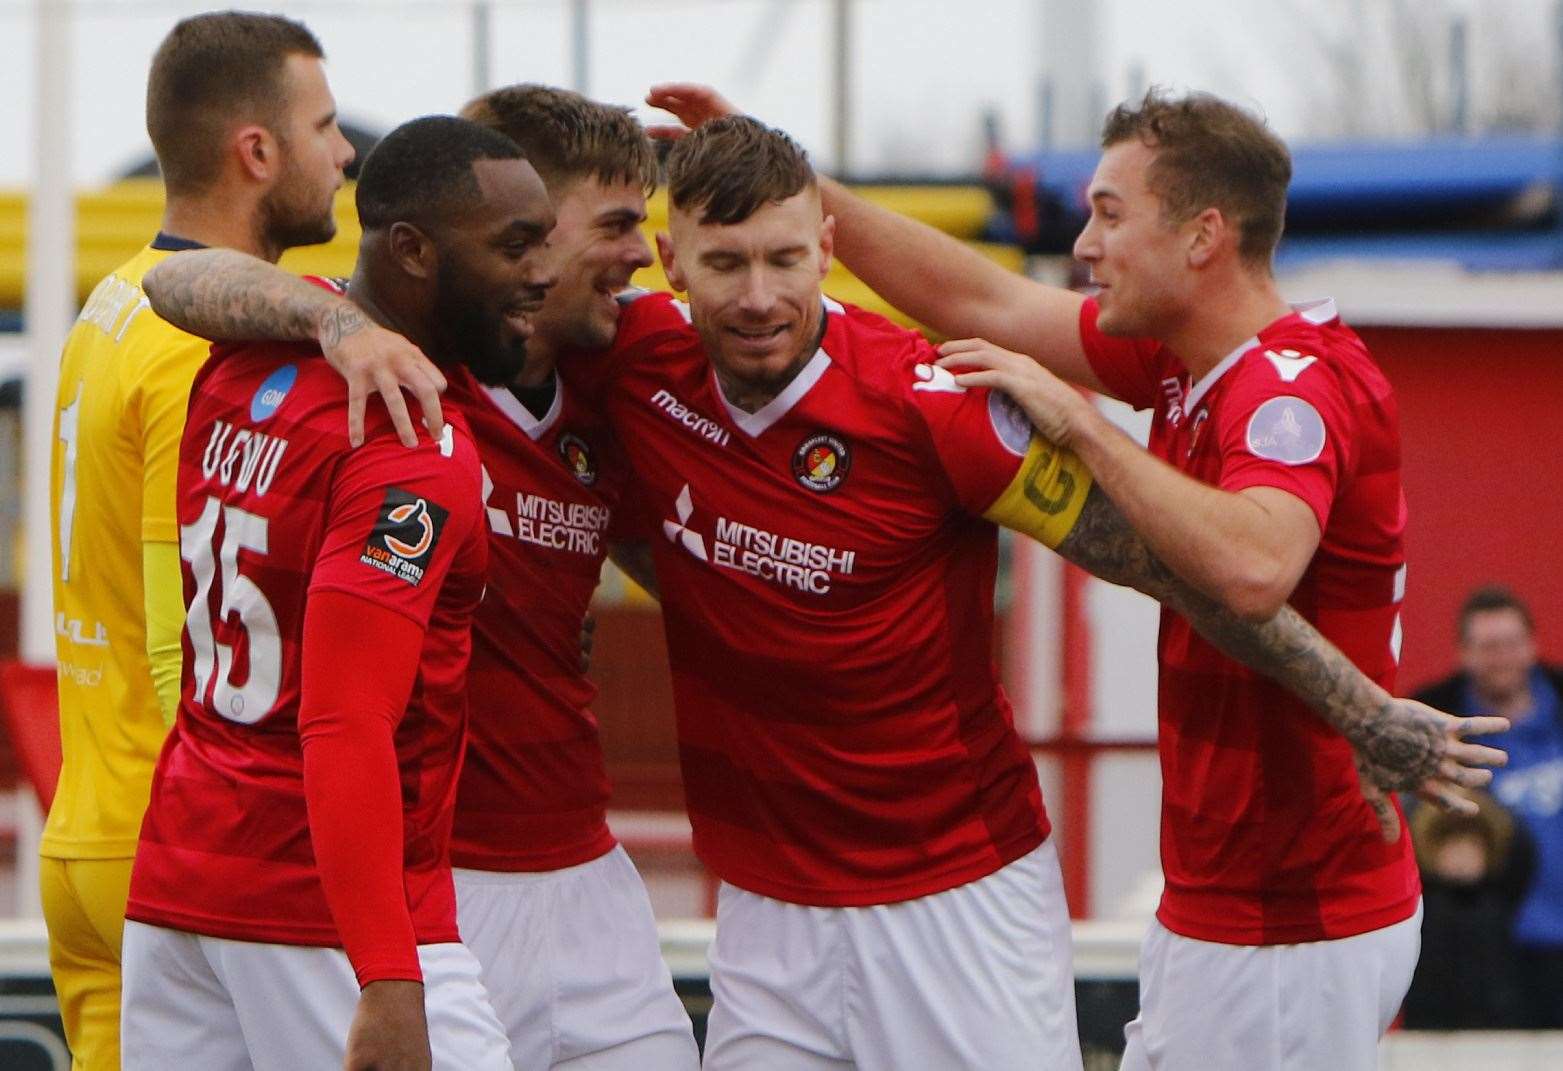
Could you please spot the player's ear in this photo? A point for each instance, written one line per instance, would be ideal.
(1206, 233)
(827, 244)
(669, 259)
(260, 157)
(413, 251)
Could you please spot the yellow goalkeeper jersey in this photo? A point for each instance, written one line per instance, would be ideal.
(125, 379)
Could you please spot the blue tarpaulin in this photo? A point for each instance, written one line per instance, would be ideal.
(1490, 203)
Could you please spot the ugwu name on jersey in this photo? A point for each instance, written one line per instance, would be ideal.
(242, 458)
(405, 533)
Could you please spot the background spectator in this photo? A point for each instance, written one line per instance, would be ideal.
(1501, 675)
(1474, 871)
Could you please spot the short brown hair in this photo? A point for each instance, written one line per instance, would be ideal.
(1211, 154)
(566, 136)
(732, 167)
(209, 70)
(1432, 827)
(1490, 599)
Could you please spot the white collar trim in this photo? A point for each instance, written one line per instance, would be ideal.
(1319, 311)
(756, 423)
(520, 416)
(1208, 380)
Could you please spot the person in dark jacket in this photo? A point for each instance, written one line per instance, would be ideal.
(1501, 674)
(1474, 871)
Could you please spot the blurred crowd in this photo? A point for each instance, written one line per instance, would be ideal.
(1492, 935)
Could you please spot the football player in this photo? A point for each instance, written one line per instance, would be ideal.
(244, 127)
(291, 903)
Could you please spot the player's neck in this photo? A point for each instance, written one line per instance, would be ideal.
(751, 396)
(1232, 312)
(541, 357)
(392, 307)
(213, 221)
(536, 398)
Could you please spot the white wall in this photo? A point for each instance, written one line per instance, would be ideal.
(923, 70)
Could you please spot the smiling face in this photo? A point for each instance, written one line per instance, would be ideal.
(494, 271)
(595, 248)
(754, 286)
(1138, 257)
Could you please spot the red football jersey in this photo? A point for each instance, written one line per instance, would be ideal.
(827, 587)
(1265, 836)
(534, 788)
(274, 505)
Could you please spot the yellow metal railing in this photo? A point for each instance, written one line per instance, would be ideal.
(112, 223)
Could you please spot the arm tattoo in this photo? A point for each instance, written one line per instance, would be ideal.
(1401, 747)
(226, 295)
(340, 321)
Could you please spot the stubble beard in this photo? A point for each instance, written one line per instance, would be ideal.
(286, 224)
(753, 392)
(469, 335)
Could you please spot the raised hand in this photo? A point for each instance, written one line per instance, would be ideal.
(691, 102)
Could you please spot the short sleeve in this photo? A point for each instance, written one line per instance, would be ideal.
(1130, 368)
(162, 396)
(399, 519)
(647, 320)
(1285, 425)
(979, 436)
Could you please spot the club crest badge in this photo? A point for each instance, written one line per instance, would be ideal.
(821, 462)
(577, 457)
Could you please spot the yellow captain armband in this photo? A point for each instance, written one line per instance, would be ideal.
(1046, 496)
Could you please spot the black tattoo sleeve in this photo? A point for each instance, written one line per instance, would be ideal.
(1403, 746)
(225, 295)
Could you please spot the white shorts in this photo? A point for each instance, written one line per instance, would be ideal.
(572, 963)
(979, 976)
(1323, 1004)
(193, 1001)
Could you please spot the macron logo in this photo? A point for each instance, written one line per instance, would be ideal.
(702, 426)
(678, 531)
(1289, 364)
(932, 377)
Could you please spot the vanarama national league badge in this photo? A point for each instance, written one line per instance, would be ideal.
(404, 535)
(821, 462)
